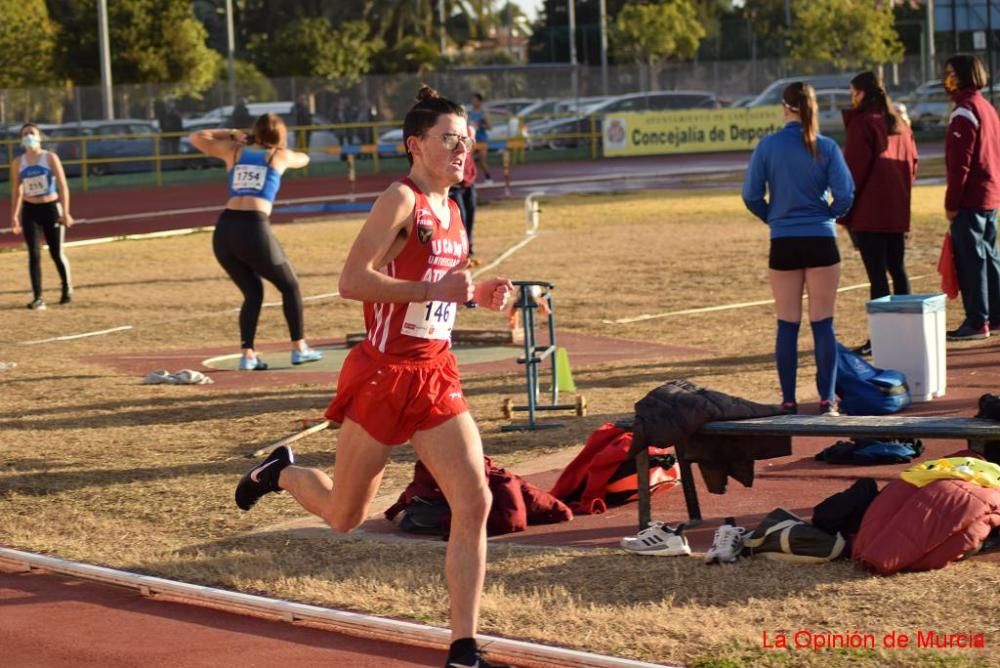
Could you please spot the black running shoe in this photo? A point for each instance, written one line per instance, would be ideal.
(263, 478)
(66, 298)
(37, 304)
(477, 662)
(830, 408)
(865, 349)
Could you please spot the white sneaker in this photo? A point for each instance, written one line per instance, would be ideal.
(658, 540)
(727, 544)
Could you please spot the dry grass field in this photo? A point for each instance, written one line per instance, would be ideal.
(96, 467)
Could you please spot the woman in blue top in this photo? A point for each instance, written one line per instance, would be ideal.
(242, 240)
(791, 175)
(39, 206)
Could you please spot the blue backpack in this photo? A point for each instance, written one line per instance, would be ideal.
(866, 390)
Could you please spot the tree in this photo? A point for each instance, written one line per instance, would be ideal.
(845, 33)
(654, 33)
(27, 43)
(310, 47)
(152, 41)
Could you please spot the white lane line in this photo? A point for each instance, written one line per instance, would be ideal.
(503, 256)
(70, 337)
(726, 307)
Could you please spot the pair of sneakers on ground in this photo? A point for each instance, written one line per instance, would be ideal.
(661, 540)
(255, 363)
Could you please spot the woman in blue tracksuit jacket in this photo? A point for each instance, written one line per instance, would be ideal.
(787, 185)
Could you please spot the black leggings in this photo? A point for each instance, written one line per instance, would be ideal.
(44, 218)
(883, 252)
(247, 250)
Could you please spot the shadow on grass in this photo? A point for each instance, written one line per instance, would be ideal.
(592, 577)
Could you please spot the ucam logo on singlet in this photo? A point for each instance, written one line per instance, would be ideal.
(445, 255)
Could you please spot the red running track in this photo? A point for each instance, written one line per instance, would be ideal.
(56, 621)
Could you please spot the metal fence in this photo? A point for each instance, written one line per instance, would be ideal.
(387, 97)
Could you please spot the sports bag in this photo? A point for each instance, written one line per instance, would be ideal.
(866, 390)
(787, 537)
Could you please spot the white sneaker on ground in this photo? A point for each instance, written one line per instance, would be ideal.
(658, 540)
(727, 544)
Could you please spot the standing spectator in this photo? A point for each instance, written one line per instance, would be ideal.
(302, 117)
(796, 167)
(480, 122)
(241, 120)
(882, 156)
(972, 161)
(171, 123)
(464, 195)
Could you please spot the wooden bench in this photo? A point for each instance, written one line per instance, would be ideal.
(977, 432)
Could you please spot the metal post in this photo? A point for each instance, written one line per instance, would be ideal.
(989, 44)
(954, 27)
(604, 47)
(231, 52)
(441, 18)
(572, 51)
(107, 103)
(929, 37)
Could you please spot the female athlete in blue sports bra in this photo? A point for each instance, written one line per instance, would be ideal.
(39, 206)
(242, 240)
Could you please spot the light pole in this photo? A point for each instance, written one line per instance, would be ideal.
(604, 47)
(572, 50)
(441, 18)
(231, 52)
(107, 103)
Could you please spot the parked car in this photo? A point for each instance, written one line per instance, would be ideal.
(508, 106)
(566, 132)
(115, 139)
(831, 103)
(931, 106)
(319, 140)
(772, 94)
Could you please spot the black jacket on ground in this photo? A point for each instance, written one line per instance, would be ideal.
(673, 413)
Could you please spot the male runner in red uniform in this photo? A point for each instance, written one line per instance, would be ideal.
(401, 384)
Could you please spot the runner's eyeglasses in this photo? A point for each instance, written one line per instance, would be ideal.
(450, 141)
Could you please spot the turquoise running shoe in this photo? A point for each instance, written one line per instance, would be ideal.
(255, 364)
(307, 355)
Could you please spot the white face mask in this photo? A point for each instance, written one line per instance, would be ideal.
(31, 141)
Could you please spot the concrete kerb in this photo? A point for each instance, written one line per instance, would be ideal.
(366, 626)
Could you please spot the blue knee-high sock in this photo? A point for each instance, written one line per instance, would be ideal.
(786, 354)
(825, 342)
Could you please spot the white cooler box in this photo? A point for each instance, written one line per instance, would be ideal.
(908, 335)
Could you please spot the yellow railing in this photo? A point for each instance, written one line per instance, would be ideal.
(160, 158)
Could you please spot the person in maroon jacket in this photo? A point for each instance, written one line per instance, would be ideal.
(464, 195)
(972, 161)
(882, 156)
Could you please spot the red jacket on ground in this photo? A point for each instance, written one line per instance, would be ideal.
(972, 153)
(516, 502)
(583, 483)
(884, 168)
(909, 528)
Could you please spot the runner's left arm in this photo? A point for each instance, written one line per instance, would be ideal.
(57, 167)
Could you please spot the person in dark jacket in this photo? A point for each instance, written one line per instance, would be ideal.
(786, 185)
(882, 155)
(972, 162)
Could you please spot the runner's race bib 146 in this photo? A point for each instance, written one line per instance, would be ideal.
(429, 320)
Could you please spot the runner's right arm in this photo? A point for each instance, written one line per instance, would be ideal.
(381, 239)
(221, 144)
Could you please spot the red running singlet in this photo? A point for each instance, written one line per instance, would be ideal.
(420, 330)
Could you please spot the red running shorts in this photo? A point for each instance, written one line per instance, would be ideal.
(392, 397)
